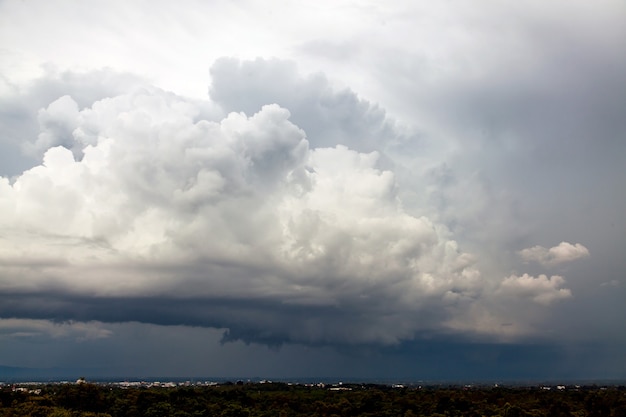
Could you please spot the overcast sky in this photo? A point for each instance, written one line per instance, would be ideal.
(418, 189)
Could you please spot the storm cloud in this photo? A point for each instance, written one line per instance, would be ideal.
(240, 213)
(324, 190)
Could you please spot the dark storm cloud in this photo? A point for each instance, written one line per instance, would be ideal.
(431, 356)
(267, 321)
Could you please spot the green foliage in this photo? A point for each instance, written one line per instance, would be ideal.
(261, 400)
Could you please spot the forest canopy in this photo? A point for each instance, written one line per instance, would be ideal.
(281, 399)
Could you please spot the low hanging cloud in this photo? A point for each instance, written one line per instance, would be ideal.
(26, 328)
(562, 253)
(540, 289)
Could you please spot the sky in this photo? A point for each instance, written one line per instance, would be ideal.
(418, 189)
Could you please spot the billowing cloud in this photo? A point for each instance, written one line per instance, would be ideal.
(329, 117)
(23, 109)
(236, 223)
(280, 217)
(540, 289)
(563, 252)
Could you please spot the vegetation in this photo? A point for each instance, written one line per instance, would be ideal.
(279, 399)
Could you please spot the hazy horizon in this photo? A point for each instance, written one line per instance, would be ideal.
(21, 375)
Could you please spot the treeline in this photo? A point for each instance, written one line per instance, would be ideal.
(283, 400)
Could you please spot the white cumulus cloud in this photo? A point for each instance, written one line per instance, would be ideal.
(157, 203)
(563, 252)
(540, 289)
